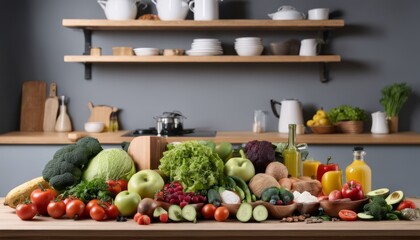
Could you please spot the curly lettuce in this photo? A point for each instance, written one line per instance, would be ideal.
(346, 113)
(196, 166)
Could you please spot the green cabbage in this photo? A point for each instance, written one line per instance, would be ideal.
(112, 164)
(196, 166)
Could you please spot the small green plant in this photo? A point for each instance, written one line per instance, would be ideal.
(346, 113)
(393, 98)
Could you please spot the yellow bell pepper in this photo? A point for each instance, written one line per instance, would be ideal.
(332, 180)
(309, 168)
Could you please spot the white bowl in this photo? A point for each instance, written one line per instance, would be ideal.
(249, 51)
(94, 127)
(247, 39)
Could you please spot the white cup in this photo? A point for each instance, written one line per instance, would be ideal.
(205, 10)
(318, 14)
(308, 47)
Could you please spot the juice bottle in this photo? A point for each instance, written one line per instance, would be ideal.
(309, 168)
(291, 155)
(359, 170)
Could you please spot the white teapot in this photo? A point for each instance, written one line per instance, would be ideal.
(120, 9)
(287, 13)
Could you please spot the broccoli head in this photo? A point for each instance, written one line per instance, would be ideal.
(91, 144)
(378, 208)
(61, 182)
(261, 153)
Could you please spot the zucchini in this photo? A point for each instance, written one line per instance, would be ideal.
(244, 213)
(260, 213)
(268, 193)
(213, 197)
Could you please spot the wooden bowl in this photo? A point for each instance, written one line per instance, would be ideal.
(331, 208)
(328, 129)
(307, 208)
(352, 127)
(275, 211)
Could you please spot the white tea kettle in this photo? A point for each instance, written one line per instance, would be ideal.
(120, 9)
(291, 113)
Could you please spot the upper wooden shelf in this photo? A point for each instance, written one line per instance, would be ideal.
(234, 24)
(207, 59)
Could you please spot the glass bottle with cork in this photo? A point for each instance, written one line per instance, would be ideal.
(291, 154)
(359, 170)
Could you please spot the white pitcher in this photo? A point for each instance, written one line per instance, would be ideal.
(379, 123)
(120, 9)
(170, 10)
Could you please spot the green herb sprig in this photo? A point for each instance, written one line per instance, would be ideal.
(393, 98)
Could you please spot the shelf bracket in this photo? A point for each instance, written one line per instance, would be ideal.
(88, 44)
(323, 67)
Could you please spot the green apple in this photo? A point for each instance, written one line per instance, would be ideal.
(240, 167)
(146, 183)
(224, 150)
(127, 203)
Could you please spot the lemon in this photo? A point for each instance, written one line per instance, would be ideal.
(310, 123)
(316, 117)
(321, 113)
(324, 121)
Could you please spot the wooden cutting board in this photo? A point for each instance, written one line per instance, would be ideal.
(100, 113)
(34, 94)
(146, 151)
(51, 109)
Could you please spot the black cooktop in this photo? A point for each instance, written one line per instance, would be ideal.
(185, 133)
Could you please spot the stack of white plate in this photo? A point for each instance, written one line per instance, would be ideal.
(249, 46)
(146, 51)
(205, 47)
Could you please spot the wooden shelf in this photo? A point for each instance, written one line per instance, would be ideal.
(202, 59)
(137, 25)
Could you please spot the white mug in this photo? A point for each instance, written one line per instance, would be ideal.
(308, 47)
(318, 14)
(205, 10)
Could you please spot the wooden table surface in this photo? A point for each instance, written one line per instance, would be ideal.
(11, 227)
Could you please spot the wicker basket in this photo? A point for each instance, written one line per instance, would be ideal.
(353, 127)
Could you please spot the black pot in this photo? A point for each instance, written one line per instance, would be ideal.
(170, 123)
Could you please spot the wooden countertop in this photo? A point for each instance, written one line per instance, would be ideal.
(38, 138)
(11, 227)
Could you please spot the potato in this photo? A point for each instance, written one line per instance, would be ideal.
(277, 170)
(260, 182)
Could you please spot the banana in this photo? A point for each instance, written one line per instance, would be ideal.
(20, 193)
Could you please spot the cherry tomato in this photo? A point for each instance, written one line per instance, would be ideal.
(406, 204)
(143, 220)
(89, 206)
(26, 211)
(163, 218)
(97, 213)
(41, 198)
(56, 209)
(112, 211)
(113, 187)
(208, 211)
(221, 214)
(75, 209)
(123, 183)
(137, 216)
(347, 215)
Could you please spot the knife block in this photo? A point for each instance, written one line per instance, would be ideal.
(146, 151)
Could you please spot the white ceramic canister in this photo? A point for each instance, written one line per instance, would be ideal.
(308, 47)
(205, 10)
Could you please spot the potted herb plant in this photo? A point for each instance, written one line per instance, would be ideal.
(348, 119)
(393, 98)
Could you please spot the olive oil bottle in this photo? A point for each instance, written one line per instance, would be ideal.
(291, 155)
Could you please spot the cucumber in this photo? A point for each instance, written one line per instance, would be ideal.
(260, 213)
(230, 183)
(158, 211)
(213, 197)
(286, 196)
(240, 192)
(175, 213)
(364, 216)
(242, 184)
(244, 213)
(189, 213)
(268, 193)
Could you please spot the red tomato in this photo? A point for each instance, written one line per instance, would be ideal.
(143, 220)
(353, 190)
(90, 204)
(123, 183)
(41, 198)
(163, 218)
(137, 216)
(406, 204)
(221, 214)
(208, 211)
(56, 209)
(112, 211)
(97, 213)
(347, 215)
(334, 195)
(75, 209)
(113, 187)
(26, 211)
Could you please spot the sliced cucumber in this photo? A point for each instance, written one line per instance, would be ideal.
(189, 213)
(158, 211)
(364, 216)
(175, 213)
(244, 213)
(260, 213)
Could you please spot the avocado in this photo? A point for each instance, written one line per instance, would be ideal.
(383, 192)
(395, 197)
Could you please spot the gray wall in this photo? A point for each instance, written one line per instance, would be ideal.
(379, 46)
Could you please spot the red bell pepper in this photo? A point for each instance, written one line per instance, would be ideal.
(353, 190)
(323, 168)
